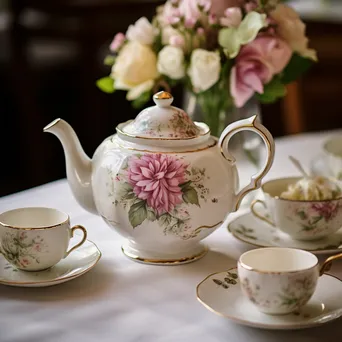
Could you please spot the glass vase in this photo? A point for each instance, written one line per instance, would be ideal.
(247, 147)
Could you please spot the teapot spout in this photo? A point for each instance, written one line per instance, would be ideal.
(78, 164)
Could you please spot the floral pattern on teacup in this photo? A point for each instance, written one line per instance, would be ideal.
(294, 292)
(160, 188)
(22, 250)
(315, 218)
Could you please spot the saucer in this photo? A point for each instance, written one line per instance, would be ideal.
(249, 229)
(220, 293)
(80, 261)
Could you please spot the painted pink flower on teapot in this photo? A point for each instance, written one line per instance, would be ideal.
(156, 179)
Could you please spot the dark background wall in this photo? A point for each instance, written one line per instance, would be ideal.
(51, 54)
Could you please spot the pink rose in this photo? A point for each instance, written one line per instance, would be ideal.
(219, 6)
(189, 10)
(192, 10)
(156, 178)
(117, 42)
(177, 41)
(189, 23)
(168, 13)
(232, 17)
(255, 66)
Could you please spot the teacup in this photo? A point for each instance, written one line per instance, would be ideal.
(333, 152)
(280, 280)
(302, 220)
(36, 238)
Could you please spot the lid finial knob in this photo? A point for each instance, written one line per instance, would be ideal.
(163, 99)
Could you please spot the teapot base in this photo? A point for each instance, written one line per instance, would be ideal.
(164, 259)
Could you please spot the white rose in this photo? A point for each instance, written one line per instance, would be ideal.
(171, 62)
(204, 70)
(135, 69)
(142, 31)
(292, 30)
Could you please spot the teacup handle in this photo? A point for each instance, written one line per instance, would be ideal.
(249, 124)
(72, 235)
(258, 215)
(328, 262)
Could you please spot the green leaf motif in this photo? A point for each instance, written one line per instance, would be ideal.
(302, 215)
(106, 84)
(185, 185)
(137, 213)
(190, 195)
(165, 220)
(129, 195)
(316, 219)
(272, 91)
(151, 216)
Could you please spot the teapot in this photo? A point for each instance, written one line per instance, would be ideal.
(162, 181)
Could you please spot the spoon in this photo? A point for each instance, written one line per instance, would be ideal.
(299, 166)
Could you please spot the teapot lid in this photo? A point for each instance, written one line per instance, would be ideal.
(163, 122)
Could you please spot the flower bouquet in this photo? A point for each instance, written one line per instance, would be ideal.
(223, 51)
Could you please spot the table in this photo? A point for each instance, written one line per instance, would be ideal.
(120, 300)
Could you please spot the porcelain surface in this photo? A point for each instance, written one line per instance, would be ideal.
(221, 294)
(73, 266)
(34, 239)
(249, 229)
(162, 182)
(277, 280)
(302, 220)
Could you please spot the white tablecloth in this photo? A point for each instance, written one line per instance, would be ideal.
(120, 300)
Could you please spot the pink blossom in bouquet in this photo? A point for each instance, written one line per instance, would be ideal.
(117, 42)
(167, 14)
(156, 179)
(218, 7)
(192, 10)
(255, 66)
(177, 41)
(232, 17)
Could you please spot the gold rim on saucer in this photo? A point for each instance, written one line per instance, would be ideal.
(249, 323)
(58, 278)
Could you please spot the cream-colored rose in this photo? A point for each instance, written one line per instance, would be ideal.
(204, 70)
(135, 69)
(291, 28)
(142, 31)
(171, 62)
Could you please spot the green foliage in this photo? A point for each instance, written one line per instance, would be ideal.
(137, 213)
(272, 91)
(165, 219)
(109, 60)
(297, 66)
(141, 100)
(106, 84)
(189, 193)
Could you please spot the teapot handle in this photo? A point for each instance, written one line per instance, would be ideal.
(249, 124)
